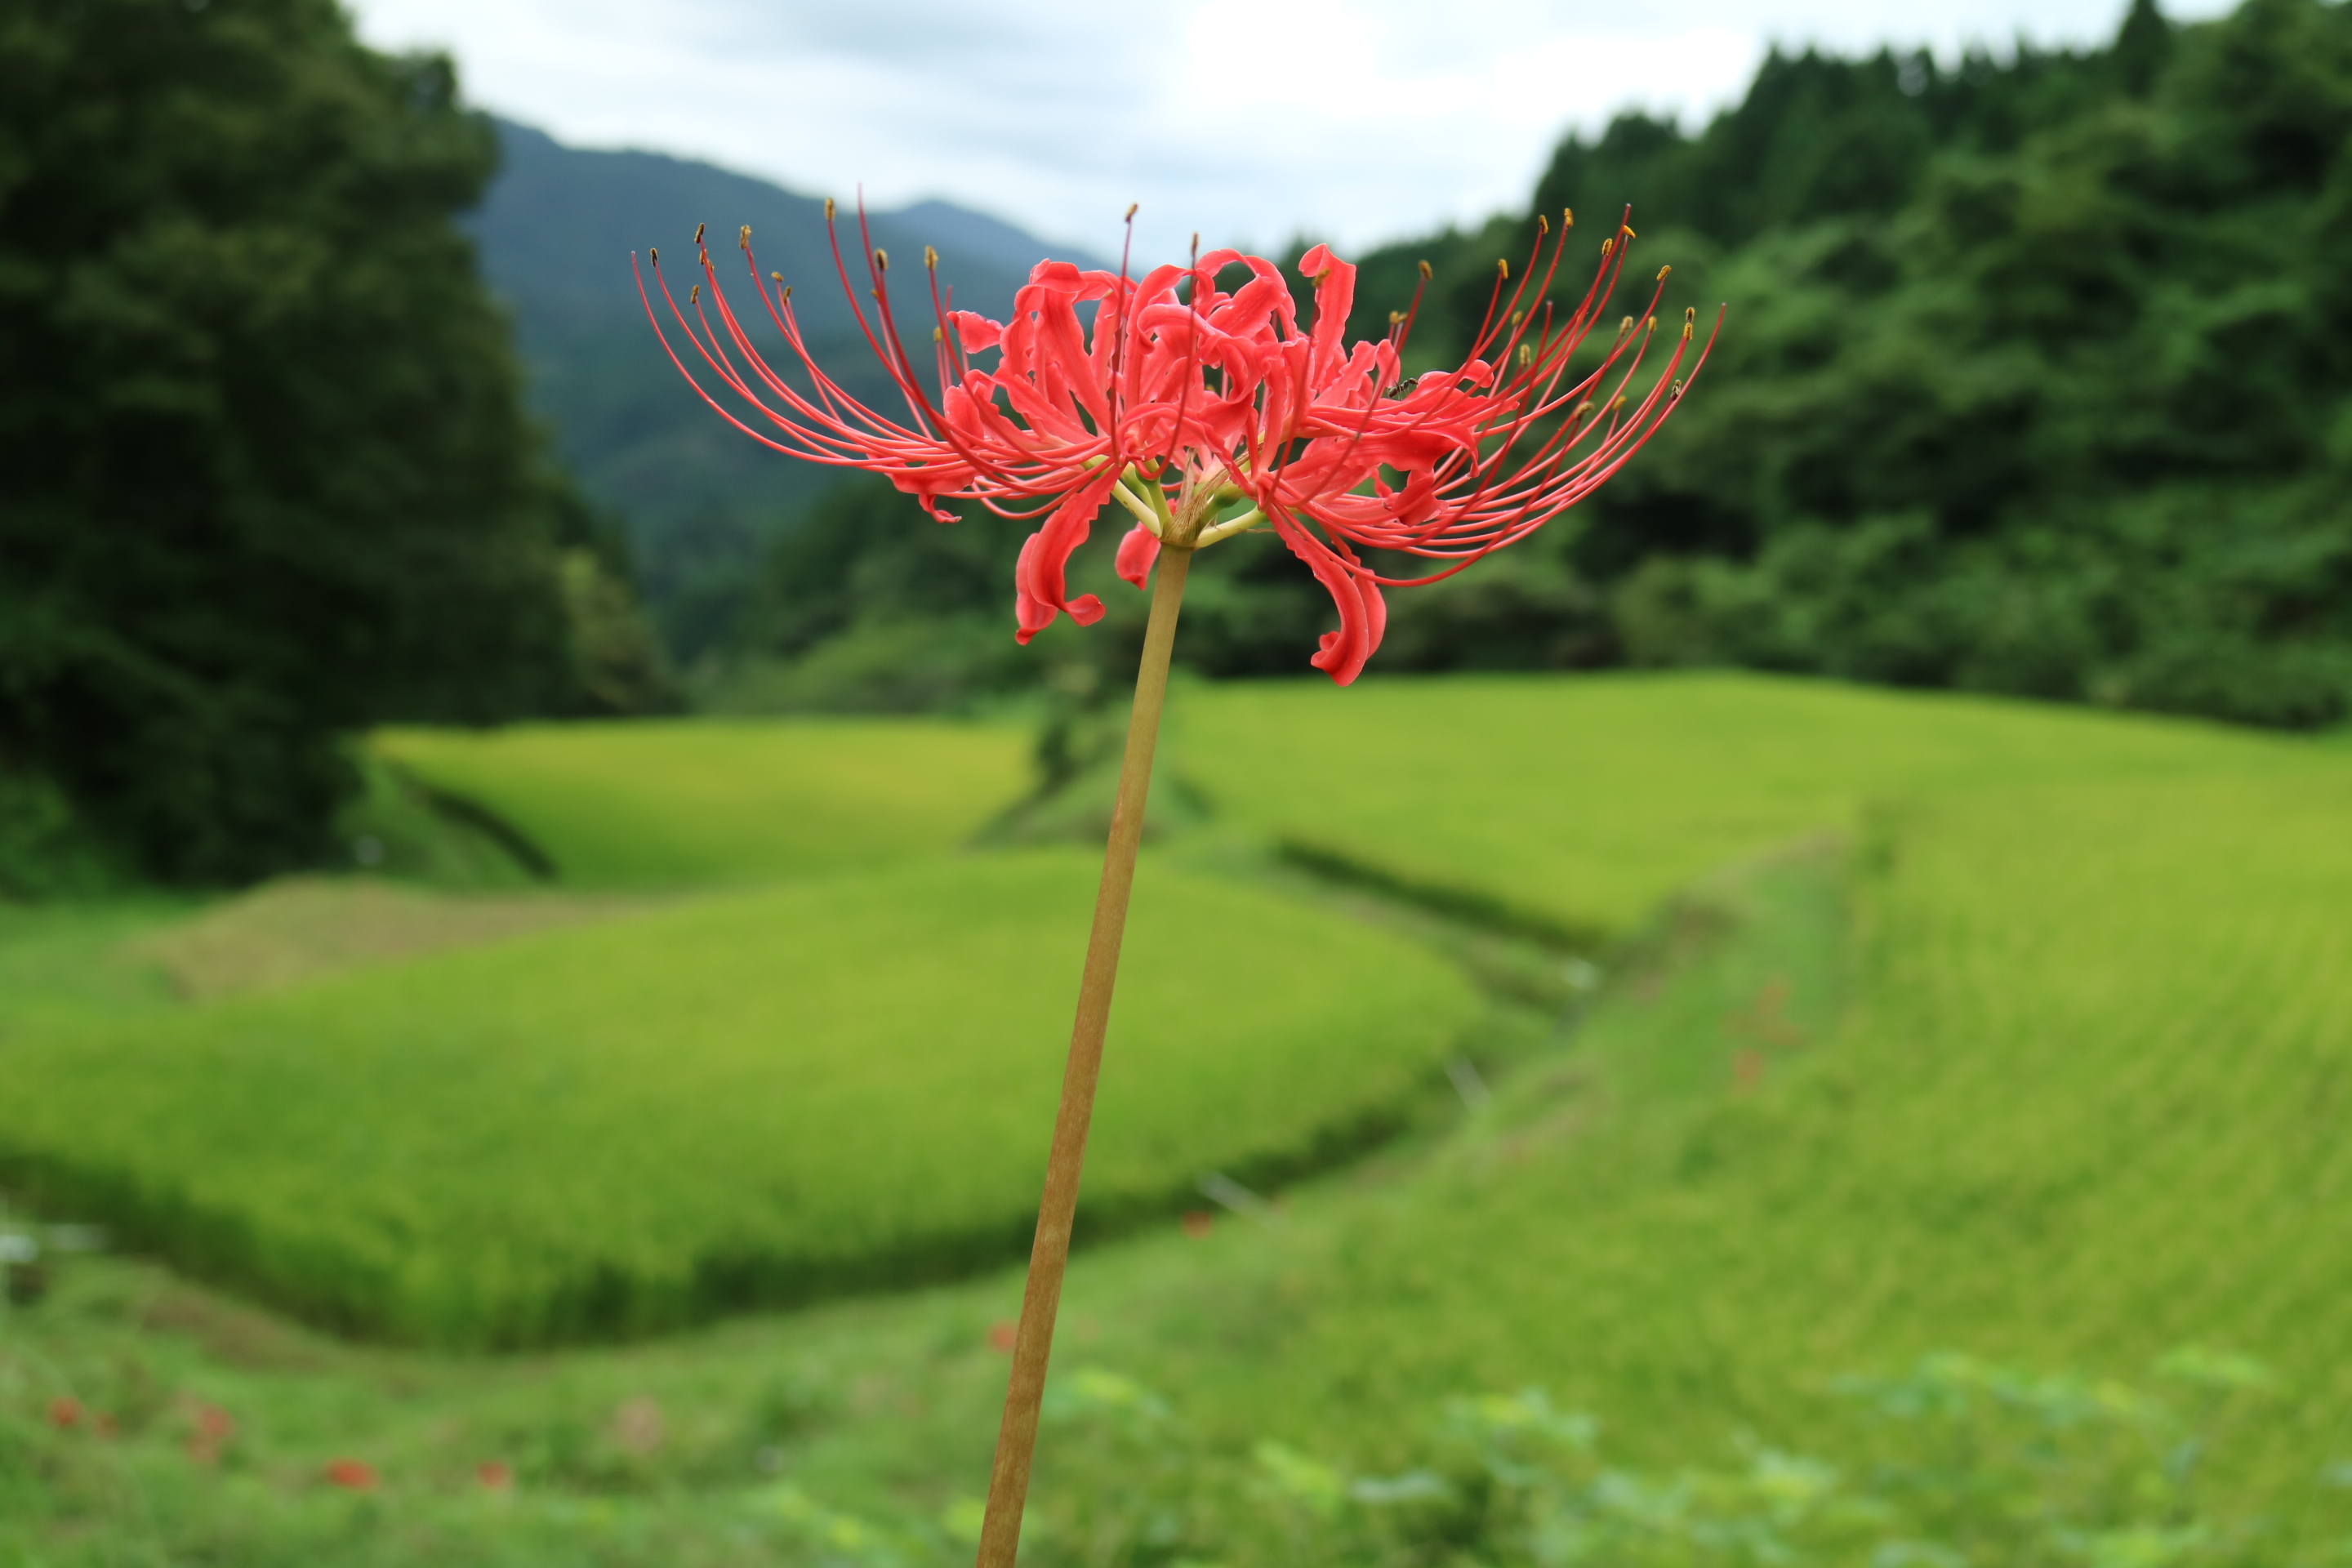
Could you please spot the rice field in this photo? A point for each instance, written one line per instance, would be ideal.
(647, 803)
(1582, 802)
(751, 1098)
(1931, 1024)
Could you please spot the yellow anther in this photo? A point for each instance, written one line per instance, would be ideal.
(1543, 224)
(1690, 312)
(744, 239)
(1627, 231)
(654, 252)
(1625, 326)
(881, 259)
(698, 232)
(1503, 266)
(786, 297)
(1568, 217)
(775, 278)
(1395, 317)
(694, 295)
(1651, 325)
(931, 257)
(1425, 273)
(1662, 273)
(939, 336)
(828, 210)
(1526, 356)
(1606, 246)
(1132, 207)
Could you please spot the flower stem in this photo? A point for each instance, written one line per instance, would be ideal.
(1016, 1440)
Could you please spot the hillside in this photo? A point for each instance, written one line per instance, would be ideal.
(2001, 1063)
(2031, 380)
(556, 232)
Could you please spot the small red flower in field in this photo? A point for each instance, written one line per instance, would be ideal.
(65, 1411)
(213, 1428)
(352, 1475)
(1198, 1223)
(494, 1476)
(1001, 1338)
(1205, 413)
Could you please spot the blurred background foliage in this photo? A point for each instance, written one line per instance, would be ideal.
(2033, 381)
(265, 474)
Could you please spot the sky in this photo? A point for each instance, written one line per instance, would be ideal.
(1249, 122)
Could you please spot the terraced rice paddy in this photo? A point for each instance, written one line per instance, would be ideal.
(1942, 1025)
(680, 803)
(758, 1098)
(1584, 803)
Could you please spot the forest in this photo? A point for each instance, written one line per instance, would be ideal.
(2034, 379)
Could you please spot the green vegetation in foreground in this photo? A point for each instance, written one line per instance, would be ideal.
(1581, 804)
(751, 1098)
(2049, 1066)
(1990, 1081)
(664, 802)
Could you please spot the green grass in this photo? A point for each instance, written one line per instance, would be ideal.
(2047, 1056)
(2087, 1097)
(753, 1098)
(1998, 1079)
(62, 963)
(1582, 802)
(675, 803)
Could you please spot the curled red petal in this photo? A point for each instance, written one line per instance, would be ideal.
(1363, 613)
(1039, 586)
(1137, 551)
(977, 332)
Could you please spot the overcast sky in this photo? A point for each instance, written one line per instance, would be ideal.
(1250, 120)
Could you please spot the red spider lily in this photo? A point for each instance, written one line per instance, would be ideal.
(1205, 413)
(213, 1429)
(352, 1475)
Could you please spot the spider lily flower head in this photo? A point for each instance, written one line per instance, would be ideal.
(1196, 401)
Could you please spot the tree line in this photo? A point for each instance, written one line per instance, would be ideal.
(265, 474)
(2035, 379)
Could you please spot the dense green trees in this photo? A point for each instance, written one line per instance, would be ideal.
(263, 473)
(2037, 378)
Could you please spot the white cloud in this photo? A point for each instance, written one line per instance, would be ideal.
(1250, 120)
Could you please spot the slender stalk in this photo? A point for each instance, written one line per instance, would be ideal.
(1016, 1440)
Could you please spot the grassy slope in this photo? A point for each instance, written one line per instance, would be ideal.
(2069, 1086)
(2089, 1103)
(752, 1098)
(1969, 1128)
(1587, 801)
(685, 801)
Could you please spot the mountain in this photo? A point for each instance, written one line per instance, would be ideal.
(698, 499)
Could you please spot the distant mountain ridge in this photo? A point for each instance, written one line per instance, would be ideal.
(556, 233)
